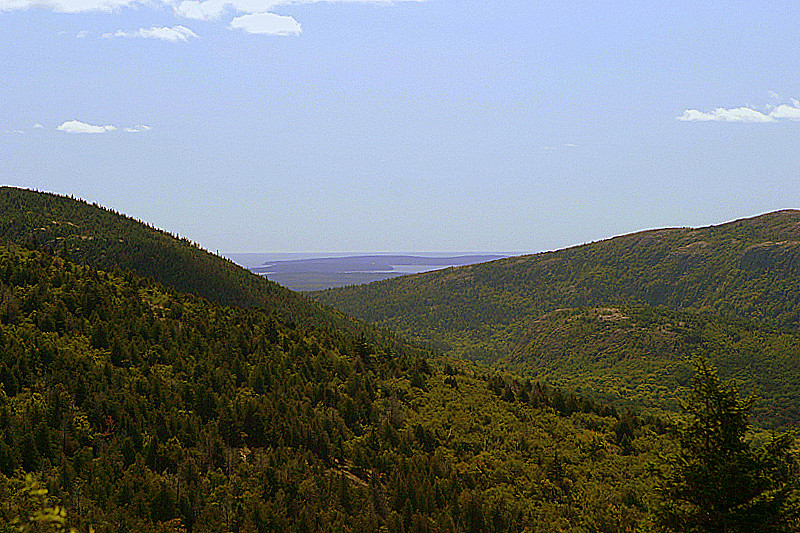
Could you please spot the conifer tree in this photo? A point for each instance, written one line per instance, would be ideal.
(720, 482)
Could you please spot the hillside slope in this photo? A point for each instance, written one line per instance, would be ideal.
(749, 268)
(108, 240)
(142, 409)
(640, 357)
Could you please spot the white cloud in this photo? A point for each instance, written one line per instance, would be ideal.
(137, 129)
(254, 16)
(786, 111)
(212, 9)
(76, 126)
(744, 114)
(267, 23)
(174, 34)
(194, 9)
(38, 126)
(739, 114)
(82, 34)
(20, 132)
(188, 8)
(559, 147)
(67, 6)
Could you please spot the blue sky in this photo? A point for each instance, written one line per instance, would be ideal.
(435, 125)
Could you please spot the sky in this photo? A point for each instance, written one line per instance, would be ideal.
(407, 125)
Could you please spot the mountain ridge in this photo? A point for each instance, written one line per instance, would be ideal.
(480, 311)
(109, 240)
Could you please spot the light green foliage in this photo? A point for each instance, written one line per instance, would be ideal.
(640, 358)
(564, 473)
(26, 507)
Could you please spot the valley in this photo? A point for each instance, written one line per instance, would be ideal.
(150, 385)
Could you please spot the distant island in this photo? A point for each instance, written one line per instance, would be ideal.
(316, 273)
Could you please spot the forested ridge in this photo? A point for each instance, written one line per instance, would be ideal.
(91, 234)
(144, 409)
(749, 268)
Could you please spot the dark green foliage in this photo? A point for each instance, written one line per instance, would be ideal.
(144, 409)
(720, 482)
(109, 241)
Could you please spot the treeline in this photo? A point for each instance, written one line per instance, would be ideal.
(144, 409)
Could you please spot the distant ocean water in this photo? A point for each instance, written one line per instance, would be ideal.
(257, 259)
(315, 270)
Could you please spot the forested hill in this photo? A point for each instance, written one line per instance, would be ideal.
(108, 240)
(640, 357)
(748, 268)
(143, 409)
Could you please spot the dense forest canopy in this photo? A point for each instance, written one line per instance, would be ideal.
(150, 410)
(619, 319)
(108, 240)
(640, 357)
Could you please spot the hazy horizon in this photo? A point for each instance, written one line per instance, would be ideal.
(253, 259)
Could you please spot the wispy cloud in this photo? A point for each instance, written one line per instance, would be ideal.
(256, 16)
(563, 146)
(82, 34)
(38, 126)
(67, 6)
(174, 34)
(212, 9)
(137, 129)
(745, 114)
(76, 126)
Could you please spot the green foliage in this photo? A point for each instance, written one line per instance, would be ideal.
(720, 481)
(640, 358)
(143, 408)
(26, 507)
(746, 269)
(90, 234)
(140, 407)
